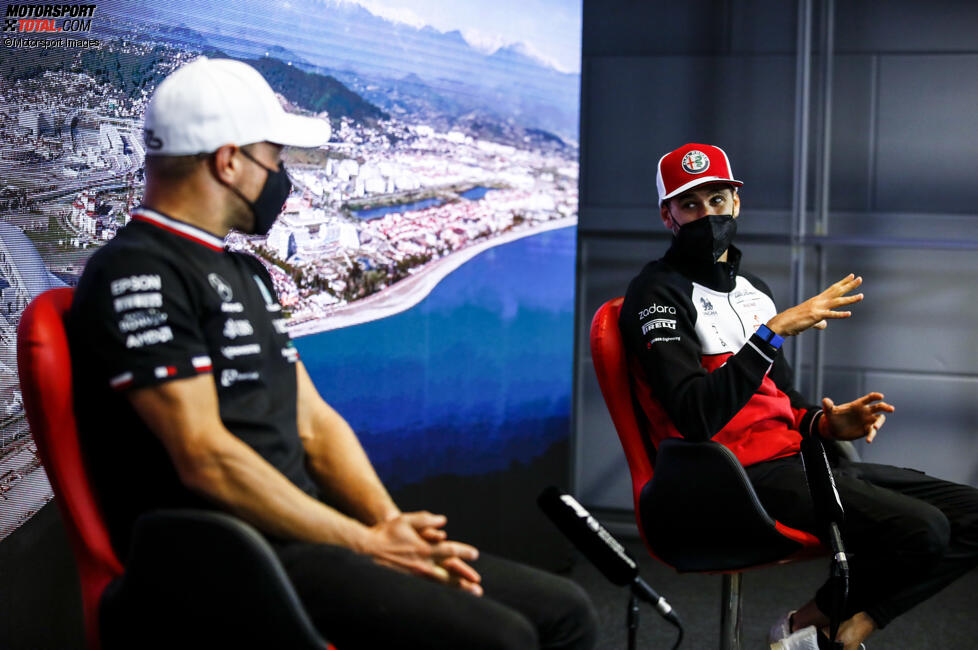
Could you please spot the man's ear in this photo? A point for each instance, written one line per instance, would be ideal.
(667, 220)
(225, 164)
(736, 204)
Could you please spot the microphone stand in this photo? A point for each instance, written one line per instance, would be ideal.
(631, 620)
(839, 577)
(640, 590)
(829, 514)
(608, 555)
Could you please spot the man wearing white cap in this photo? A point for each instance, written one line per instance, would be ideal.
(707, 337)
(190, 393)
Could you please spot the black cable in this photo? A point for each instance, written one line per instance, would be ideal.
(675, 620)
(679, 639)
(641, 589)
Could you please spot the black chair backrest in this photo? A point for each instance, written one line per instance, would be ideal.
(202, 579)
(700, 512)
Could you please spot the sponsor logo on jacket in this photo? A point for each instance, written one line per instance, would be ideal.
(149, 337)
(137, 320)
(234, 351)
(708, 309)
(233, 328)
(231, 376)
(221, 286)
(662, 339)
(654, 309)
(668, 323)
(136, 283)
(138, 301)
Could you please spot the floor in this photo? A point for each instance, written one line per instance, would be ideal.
(948, 621)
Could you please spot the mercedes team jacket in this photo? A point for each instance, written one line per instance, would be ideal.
(700, 369)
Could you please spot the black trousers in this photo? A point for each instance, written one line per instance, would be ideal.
(909, 535)
(358, 604)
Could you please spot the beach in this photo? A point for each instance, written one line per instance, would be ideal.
(412, 290)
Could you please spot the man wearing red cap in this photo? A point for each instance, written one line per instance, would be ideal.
(708, 337)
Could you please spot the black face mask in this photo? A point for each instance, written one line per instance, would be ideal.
(705, 240)
(274, 192)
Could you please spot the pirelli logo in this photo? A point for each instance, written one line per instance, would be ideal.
(659, 323)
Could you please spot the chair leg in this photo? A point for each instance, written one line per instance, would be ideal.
(730, 612)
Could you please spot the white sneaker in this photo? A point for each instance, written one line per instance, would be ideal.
(781, 629)
(804, 639)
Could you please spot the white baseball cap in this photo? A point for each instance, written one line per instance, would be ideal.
(209, 103)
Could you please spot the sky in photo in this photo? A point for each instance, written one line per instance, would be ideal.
(551, 29)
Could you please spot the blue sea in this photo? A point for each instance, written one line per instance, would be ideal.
(376, 213)
(472, 379)
(472, 194)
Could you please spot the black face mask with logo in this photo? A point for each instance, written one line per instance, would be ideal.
(274, 192)
(704, 240)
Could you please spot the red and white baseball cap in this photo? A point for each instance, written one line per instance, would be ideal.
(209, 103)
(691, 165)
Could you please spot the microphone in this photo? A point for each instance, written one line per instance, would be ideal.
(600, 547)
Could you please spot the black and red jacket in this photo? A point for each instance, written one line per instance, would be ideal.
(702, 371)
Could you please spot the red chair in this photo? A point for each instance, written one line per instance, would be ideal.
(182, 563)
(696, 510)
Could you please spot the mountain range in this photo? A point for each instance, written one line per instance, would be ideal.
(404, 70)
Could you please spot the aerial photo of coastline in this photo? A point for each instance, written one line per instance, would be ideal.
(445, 144)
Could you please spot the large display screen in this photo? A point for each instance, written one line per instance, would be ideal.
(426, 255)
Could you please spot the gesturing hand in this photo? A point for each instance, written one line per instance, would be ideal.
(413, 542)
(851, 421)
(814, 311)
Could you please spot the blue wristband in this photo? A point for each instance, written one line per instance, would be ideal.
(769, 337)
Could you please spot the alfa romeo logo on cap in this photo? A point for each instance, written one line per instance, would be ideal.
(696, 162)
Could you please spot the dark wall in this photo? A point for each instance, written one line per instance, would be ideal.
(903, 200)
(40, 601)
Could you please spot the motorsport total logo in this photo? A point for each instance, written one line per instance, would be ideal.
(48, 18)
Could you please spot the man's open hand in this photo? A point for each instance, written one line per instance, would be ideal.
(814, 311)
(860, 418)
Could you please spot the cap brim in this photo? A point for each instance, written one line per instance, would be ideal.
(700, 181)
(300, 131)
